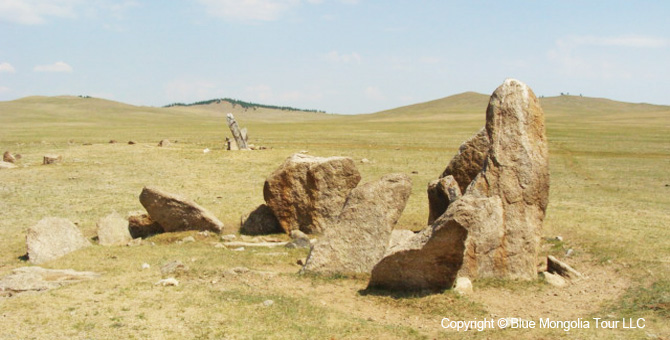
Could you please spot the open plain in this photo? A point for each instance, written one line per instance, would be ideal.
(609, 203)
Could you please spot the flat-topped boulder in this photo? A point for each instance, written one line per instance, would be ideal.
(493, 230)
(305, 192)
(177, 213)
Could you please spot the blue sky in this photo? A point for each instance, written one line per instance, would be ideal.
(341, 56)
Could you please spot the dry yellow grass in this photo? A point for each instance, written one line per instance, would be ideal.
(609, 201)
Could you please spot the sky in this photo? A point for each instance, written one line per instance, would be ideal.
(340, 56)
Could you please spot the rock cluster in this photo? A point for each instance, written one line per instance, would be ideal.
(493, 230)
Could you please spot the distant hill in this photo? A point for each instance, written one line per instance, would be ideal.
(243, 104)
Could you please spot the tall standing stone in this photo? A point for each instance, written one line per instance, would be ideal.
(237, 134)
(358, 238)
(493, 230)
(305, 192)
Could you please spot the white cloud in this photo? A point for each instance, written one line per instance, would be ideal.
(336, 57)
(7, 68)
(33, 12)
(58, 66)
(374, 93)
(254, 10)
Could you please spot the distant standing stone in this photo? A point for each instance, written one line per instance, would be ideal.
(164, 143)
(53, 237)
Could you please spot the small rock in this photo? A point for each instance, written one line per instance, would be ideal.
(268, 303)
(170, 281)
(303, 151)
(112, 141)
(206, 150)
(220, 245)
(300, 262)
(146, 266)
(204, 233)
(164, 143)
(6, 165)
(559, 238)
(365, 160)
(463, 286)
(228, 238)
(569, 252)
(131, 142)
(238, 249)
(554, 279)
(555, 266)
(415, 172)
(135, 242)
(8, 157)
(188, 239)
(51, 159)
(173, 267)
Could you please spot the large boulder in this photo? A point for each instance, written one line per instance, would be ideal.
(260, 221)
(493, 230)
(306, 191)
(113, 230)
(177, 213)
(53, 237)
(358, 238)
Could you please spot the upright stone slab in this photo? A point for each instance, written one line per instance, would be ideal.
(306, 191)
(237, 134)
(113, 230)
(53, 237)
(177, 213)
(493, 230)
(357, 240)
(469, 161)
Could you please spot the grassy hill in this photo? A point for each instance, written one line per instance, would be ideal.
(609, 199)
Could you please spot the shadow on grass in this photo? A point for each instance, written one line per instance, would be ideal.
(395, 294)
(23, 258)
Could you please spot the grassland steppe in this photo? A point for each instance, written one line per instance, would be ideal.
(609, 202)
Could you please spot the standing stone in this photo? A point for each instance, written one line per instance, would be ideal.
(8, 157)
(306, 191)
(441, 193)
(53, 237)
(357, 240)
(51, 159)
(260, 221)
(177, 213)
(235, 130)
(494, 229)
(113, 230)
(164, 143)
